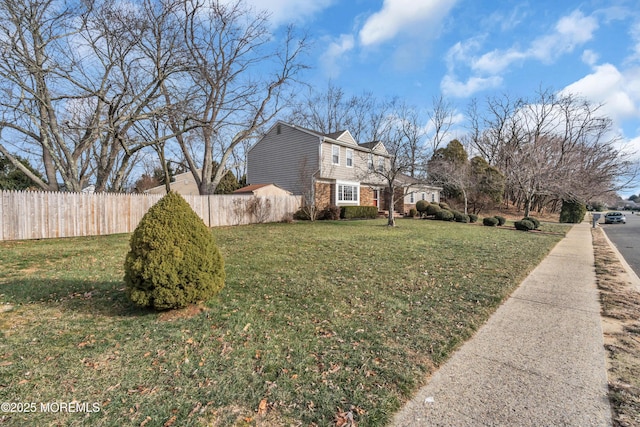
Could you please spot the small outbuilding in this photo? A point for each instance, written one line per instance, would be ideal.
(262, 190)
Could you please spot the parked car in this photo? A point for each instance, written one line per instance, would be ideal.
(614, 218)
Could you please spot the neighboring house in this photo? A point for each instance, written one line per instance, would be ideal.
(183, 183)
(326, 169)
(414, 190)
(262, 190)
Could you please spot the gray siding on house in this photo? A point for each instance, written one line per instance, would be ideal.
(359, 172)
(282, 158)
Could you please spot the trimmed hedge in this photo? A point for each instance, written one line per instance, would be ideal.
(422, 205)
(473, 218)
(413, 212)
(444, 215)
(535, 221)
(524, 225)
(460, 217)
(490, 221)
(572, 212)
(359, 212)
(433, 209)
(443, 205)
(501, 220)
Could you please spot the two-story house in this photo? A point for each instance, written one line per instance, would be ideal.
(327, 169)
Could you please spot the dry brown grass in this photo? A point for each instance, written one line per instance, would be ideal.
(621, 324)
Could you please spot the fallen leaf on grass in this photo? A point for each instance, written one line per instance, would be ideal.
(345, 419)
(170, 421)
(262, 408)
(146, 420)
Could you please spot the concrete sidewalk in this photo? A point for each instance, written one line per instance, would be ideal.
(538, 361)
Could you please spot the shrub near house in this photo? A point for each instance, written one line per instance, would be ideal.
(353, 212)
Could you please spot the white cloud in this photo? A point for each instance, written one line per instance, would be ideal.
(497, 61)
(570, 31)
(451, 86)
(333, 55)
(400, 16)
(462, 52)
(618, 92)
(589, 57)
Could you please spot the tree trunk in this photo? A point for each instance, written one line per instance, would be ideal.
(391, 221)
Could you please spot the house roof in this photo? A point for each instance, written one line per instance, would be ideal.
(342, 137)
(410, 181)
(251, 188)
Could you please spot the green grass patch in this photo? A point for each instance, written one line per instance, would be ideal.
(315, 318)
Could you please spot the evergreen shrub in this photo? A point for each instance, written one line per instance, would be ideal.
(444, 215)
(524, 225)
(490, 221)
(359, 212)
(460, 217)
(473, 218)
(501, 220)
(433, 209)
(573, 212)
(422, 205)
(443, 205)
(413, 212)
(535, 221)
(173, 259)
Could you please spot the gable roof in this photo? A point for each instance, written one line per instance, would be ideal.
(342, 137)
(253, 187)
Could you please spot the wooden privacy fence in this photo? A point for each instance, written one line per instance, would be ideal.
(41, 215)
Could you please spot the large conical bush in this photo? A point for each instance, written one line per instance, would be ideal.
(173, 260)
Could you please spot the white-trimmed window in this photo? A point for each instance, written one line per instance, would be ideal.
(412, 199)
(349, 157)
(335, 154)
(371, 162)
(347, 192)
(424, 196)
(380, 164)
(433, 197)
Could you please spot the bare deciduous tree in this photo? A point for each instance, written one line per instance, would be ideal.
(78, 77)
(556, 146)
(236, 83)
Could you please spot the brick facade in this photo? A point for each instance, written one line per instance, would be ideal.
(366, 196)
(323, 195)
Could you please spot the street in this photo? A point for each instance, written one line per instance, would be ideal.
(625, 237)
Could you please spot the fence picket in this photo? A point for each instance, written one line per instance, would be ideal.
(41, 215)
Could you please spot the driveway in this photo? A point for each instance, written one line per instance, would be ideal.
(626, 237)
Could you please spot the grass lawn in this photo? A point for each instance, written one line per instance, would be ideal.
(315, 319)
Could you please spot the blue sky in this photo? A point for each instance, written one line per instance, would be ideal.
(461, 49)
